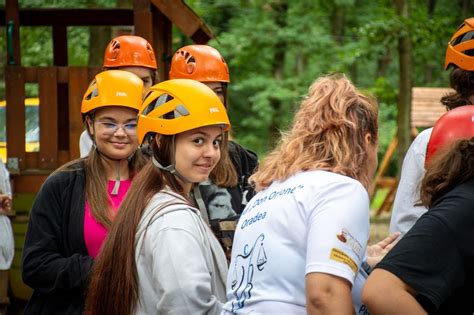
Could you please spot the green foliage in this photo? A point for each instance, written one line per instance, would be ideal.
(356, 37)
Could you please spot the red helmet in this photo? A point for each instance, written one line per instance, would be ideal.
(460, 51)
(455, 124)
(129, 51)
(199, 62)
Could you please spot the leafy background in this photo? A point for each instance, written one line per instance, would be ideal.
(276, 48)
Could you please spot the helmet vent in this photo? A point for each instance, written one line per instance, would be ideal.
(181, 110)
(162, 99)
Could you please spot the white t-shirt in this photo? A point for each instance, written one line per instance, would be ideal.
(85, 144)
(404, 212)
(314, 221)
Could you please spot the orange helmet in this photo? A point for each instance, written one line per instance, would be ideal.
(191, 104)
(460, 51)
(199, 62)
(455, 124)
(129, 51)
(113, 88)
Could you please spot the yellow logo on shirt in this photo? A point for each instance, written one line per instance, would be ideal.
(340, 256)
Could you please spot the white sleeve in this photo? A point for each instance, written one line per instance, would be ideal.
(85, 144)
(338, 231)
(404, 212)
(180, 272)
(7, 243)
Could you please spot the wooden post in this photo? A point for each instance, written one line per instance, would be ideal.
(15, 117)
(48, 118)
(78, 82)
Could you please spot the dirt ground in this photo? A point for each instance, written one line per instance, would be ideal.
(379, 227)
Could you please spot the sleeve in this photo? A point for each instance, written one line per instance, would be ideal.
(85, 144)
(428, 260)
(338, 230)
(45, 266)
(180, 271)
(405, 212)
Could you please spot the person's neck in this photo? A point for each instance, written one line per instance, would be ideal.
(116, 168)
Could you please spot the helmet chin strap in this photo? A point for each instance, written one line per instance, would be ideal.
(171, 168)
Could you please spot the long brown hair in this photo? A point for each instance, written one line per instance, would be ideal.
(328, 133)
(96, 184)
(225, 173)
(462, 82)
(450, 167)
(113, 287)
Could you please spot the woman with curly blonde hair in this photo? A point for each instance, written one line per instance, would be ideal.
(312, 208)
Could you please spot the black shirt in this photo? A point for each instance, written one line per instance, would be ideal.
(436, 257)
(55, 259)
(227, 202)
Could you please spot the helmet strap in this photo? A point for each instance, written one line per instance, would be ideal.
(170, 168)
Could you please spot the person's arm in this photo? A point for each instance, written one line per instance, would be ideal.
(46, 267)
(385, 294)
(328, 294)
(180, 269)
(406, 209)
(336, 243)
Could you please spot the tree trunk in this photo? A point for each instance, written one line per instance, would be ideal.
(405, 82)
(280, 8)
(99, 37)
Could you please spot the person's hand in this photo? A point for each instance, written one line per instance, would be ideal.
(376, 252)
(5, 204)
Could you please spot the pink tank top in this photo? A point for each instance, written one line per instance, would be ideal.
(94, 232)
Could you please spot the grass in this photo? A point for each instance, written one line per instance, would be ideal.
(378, 223)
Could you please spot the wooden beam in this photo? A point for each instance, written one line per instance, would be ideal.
(185, 18)
(48, 118)
(162, 43)
(60, 55)
(28, 183)
(15, 117)
(68, 17)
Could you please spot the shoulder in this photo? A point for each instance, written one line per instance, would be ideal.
(329, 181)
(240, 152)
(168, 210)
(455, 206)
(420, 143)
(67, 173)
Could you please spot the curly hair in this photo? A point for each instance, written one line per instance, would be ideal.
(328, 133)
(462, 81)
(450, 167)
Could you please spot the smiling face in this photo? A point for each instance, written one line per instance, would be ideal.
(197, 152)
(114, 131)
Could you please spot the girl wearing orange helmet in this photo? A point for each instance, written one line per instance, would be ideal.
(76, 204)
(205, 64)
(160, 256)
(128, 53)
(460, 56)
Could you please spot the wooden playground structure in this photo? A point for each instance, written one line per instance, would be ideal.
(60, 93)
